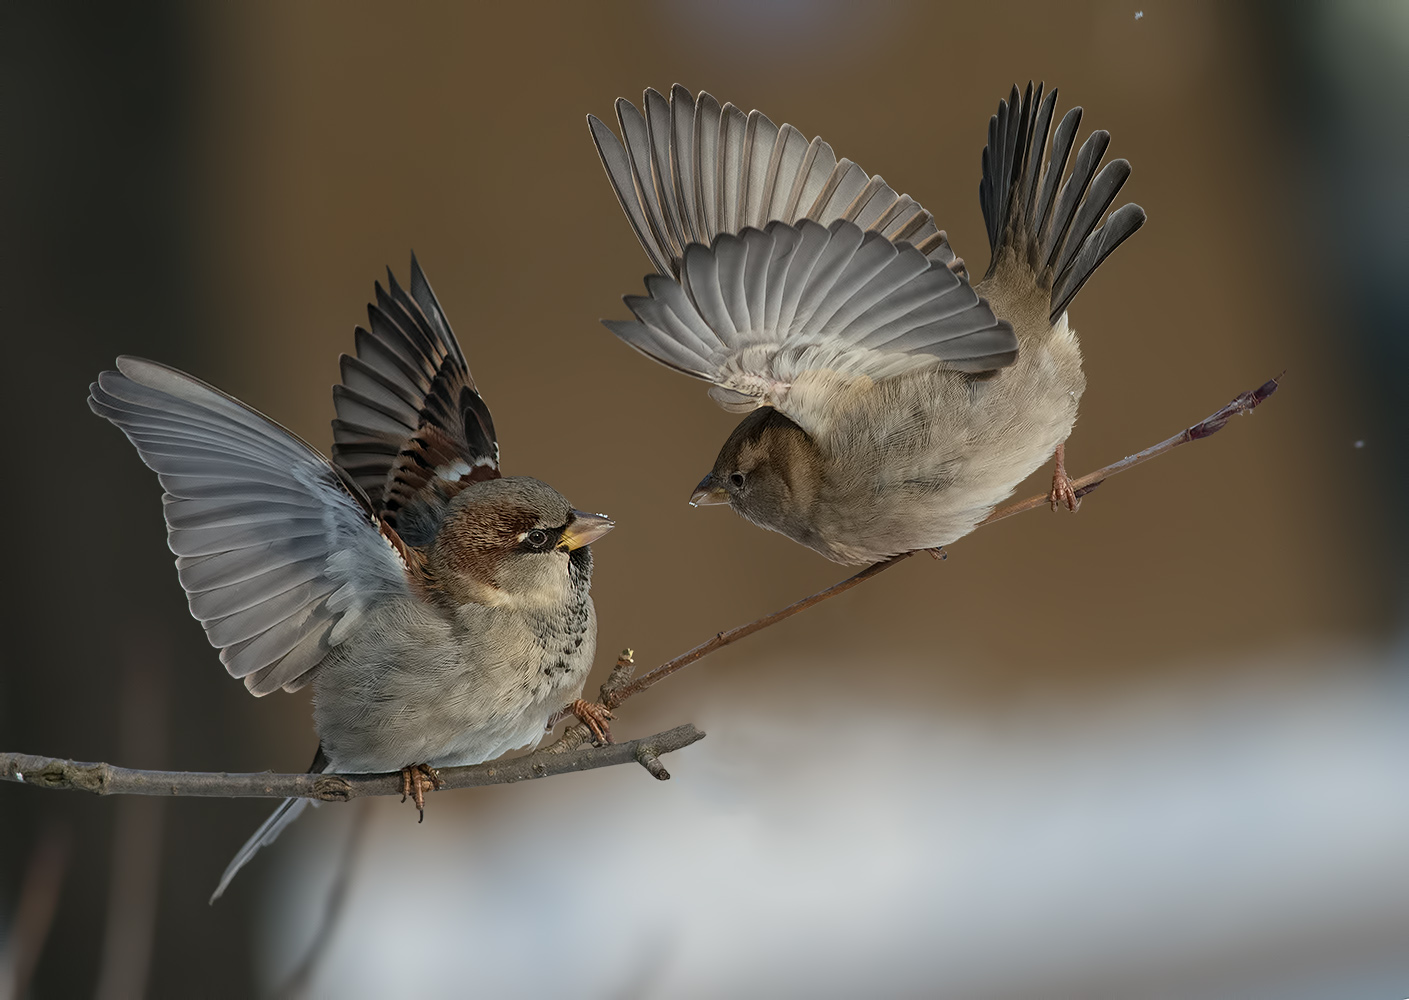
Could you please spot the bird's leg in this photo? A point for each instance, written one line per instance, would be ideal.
(595, 717)
(1062, 492)
(415, 779)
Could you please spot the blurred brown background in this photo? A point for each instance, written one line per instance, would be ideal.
(218, 186)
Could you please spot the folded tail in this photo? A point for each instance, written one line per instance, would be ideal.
(1059, 233)
(288, 811)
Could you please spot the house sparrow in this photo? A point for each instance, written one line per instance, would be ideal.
(440, 612)
(890, 404)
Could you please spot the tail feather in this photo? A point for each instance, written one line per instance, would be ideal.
(1057, 164)
(288, 811)
(1070, 200)
(1054, 226)
(1037, 138)
(1098, 198)
(1122, 222)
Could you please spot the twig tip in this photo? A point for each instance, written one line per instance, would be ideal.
(1268, 388)
(646, 757)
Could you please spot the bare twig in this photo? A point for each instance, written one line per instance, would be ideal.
(1244, 403)
(567, 754)
(620, 675)
(106, 779)
(578, 734)
(614, 698)
(652, 764)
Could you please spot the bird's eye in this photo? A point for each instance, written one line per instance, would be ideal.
(737, 479)
(537, 538)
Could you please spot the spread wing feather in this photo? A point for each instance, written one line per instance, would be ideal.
(275, 547)
(409, 413)
(753, 312)
(687, 170)
(776, 258)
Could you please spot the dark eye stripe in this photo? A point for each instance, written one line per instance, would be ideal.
(554, 535)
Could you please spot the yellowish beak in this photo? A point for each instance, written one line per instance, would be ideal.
(708, 493)
(584, 529)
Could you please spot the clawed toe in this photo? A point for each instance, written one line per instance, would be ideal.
(1063, 495)
(415, 780)
(1063, 492)
(595, 717)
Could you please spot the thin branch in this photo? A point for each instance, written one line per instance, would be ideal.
(1245, 403)
(106, 779)
(613, 698)
(568, 753)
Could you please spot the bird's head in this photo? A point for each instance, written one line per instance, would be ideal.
(768, 471)
(514, 542)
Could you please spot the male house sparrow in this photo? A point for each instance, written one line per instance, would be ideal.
(891, 405)
(441, 612)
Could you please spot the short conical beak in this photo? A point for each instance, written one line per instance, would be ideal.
(709, 492)
(584, 529)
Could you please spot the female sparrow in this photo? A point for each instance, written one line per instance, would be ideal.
(890, 404)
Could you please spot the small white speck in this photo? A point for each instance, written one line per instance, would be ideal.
(1139, 14)
(1359, 444)
(19, 775)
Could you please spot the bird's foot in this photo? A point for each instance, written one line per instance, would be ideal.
(938, 553)
(1063, 493)
(415, 779)
(595, 717)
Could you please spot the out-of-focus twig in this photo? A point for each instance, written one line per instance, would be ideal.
(297, 984)
(38, 900)
(135, 876)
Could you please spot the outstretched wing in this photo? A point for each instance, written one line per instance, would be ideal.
(690, 170)
(777, 260)
(278, 551)
(753, 313)
(408, 411)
